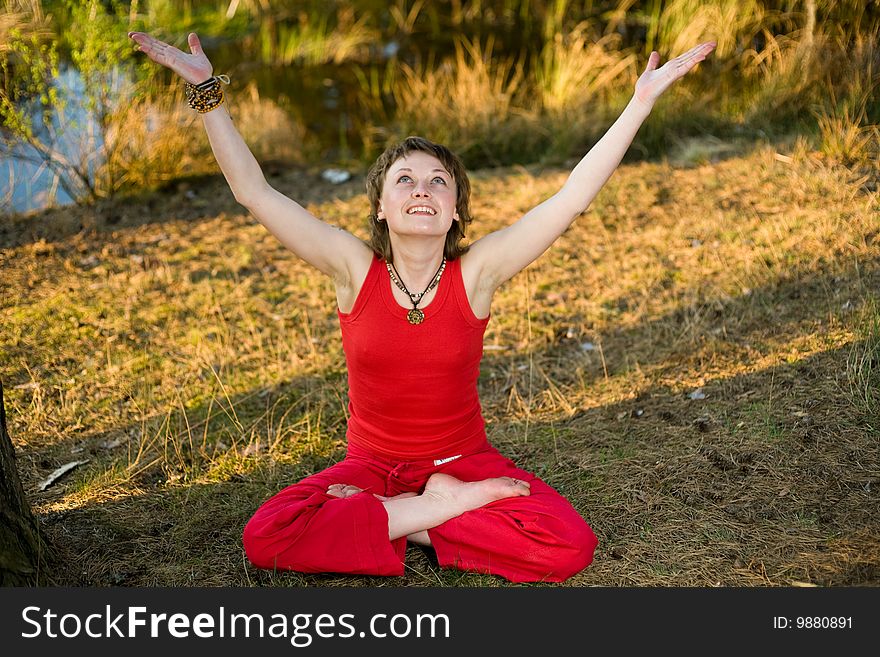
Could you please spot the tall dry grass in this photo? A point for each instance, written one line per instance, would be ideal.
(317, 38)
(733, 24)
(471, 102)
(155, 138)
(491, 112)
(272, 132)
(849, 139)
(780, 69)
(580, 82)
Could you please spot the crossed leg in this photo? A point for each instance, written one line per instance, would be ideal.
(345, 519)
(444, 497)
(528, 536)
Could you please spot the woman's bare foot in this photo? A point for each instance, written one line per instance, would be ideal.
(469, 495)
(444, 498)
(347, 490)
(343, 490)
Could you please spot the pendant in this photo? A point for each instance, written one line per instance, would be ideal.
(415, 316)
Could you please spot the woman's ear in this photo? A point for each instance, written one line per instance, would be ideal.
(380, 214)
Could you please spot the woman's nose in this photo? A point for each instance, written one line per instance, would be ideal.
(421, 191)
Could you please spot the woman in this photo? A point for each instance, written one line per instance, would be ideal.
(413, 305)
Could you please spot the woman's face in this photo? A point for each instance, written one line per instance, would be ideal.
(418, 196)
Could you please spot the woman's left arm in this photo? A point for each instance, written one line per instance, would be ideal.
(504, 253)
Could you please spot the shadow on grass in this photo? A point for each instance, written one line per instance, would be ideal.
(746, 327)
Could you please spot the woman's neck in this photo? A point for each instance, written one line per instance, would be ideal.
(417, 261)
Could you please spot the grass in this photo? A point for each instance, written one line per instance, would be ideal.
(578, 81)
(197, 365)
(313, 40)
(481, 117)
(863, 361)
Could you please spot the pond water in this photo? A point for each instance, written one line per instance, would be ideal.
(26, 183)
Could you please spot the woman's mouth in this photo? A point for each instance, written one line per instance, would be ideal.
(423, 210)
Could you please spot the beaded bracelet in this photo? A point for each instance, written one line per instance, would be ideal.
(207, 95)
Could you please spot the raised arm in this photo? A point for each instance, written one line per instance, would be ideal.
(333, 251)
(501, 255)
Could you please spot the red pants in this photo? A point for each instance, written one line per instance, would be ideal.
(539, 537)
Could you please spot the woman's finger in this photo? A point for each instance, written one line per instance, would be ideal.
(144, 40)
(682, 64)
(195, 46)
(695, 53)
(154, 49)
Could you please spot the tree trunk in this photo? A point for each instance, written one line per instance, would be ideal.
(20, 545)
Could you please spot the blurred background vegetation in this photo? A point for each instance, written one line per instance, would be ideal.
(326, 83)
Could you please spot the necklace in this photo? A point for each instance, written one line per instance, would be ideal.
(416, 315)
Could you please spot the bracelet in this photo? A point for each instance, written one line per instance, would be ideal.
(207, 95)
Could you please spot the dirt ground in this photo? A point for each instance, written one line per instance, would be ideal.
(694, 365)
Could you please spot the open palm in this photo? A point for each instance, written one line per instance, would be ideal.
(654, 81)
(193, 67)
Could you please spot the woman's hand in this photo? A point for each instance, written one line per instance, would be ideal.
(654, 81)
(193, 68)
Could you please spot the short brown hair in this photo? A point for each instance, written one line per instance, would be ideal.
(380, 240)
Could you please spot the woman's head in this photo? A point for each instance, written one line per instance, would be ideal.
(390, 163)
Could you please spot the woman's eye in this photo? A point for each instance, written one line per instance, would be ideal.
(404, 179)
(442, 180)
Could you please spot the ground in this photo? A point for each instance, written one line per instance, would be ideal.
(694, 364)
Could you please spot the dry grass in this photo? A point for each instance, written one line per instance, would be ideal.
(780, 69)
(481, 117)
(156, 139)
(863, 361)
(197, 365)
(579, 82)
(153, 139)
(315, 39)
(846, 141)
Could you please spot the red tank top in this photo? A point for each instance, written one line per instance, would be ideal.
(412, 389)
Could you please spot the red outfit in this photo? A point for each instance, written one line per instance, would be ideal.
(414, 411)
(413, 389)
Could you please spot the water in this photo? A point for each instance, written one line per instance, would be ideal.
(26, 183)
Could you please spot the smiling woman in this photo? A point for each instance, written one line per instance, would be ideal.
(419, 466)
(444, 180)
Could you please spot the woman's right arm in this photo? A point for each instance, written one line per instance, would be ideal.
(333, 251)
